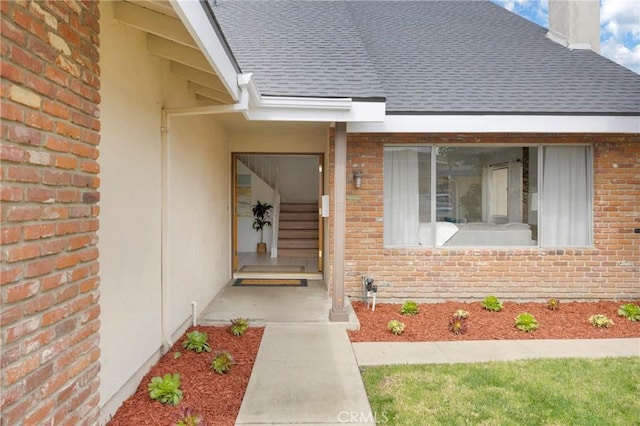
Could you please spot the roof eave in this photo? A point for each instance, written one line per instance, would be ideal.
(500, 123)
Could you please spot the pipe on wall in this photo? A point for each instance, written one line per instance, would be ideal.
(165, 237)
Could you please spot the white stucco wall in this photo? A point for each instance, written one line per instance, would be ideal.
(199, 213)
(291, 139)
(135, 85)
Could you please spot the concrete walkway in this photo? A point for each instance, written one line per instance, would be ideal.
(305, 375)
(380, 353)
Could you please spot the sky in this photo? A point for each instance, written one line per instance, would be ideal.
(619, 26)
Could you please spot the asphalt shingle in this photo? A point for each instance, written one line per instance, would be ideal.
(422, 56)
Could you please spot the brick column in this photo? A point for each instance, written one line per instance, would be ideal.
(49, 284)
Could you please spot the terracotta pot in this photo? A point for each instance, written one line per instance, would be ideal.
(261, 248)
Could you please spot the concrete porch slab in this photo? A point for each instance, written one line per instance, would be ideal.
(275, 305)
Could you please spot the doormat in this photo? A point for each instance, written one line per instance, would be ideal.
(261, 282)
(271, 268)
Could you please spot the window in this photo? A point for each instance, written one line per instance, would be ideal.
(487, 196)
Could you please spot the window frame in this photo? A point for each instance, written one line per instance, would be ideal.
(540, 148)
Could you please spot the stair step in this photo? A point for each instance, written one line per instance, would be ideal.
(299, 207)
(298, 216)
(298, 224)
(298, 233)
(297, 243)
(297, 252)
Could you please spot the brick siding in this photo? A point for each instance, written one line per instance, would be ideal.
(608, 270)
(49, 284)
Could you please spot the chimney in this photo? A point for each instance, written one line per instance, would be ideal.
(575, 24)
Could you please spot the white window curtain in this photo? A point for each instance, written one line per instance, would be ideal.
(515, 192)
(401, 197)
(566, 211)
(487, 195)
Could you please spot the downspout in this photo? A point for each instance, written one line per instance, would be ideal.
(165, 240)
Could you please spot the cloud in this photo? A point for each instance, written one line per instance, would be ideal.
(625, 56)
(620, 32)
(619, 26)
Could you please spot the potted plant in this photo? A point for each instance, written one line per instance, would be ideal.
(261, 212)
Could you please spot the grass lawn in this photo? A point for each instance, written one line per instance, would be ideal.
(529, 392)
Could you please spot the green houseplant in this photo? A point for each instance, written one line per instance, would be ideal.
(261, 218)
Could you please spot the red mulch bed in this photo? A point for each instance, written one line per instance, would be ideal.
(570, 321)
(216, 397)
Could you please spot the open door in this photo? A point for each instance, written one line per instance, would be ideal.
(320, 218)
(293, 184)
(234, 211)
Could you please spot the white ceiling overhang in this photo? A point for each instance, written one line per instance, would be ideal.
(505, 123)
(190, 59)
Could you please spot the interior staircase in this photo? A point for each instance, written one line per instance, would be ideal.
(298, 230)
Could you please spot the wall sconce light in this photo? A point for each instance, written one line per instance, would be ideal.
(357, 178)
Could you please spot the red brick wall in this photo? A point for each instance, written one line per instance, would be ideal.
(49, 285)
(608, 270)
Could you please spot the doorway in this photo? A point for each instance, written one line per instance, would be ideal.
(292, 185)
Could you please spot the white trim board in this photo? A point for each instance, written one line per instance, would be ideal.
(316, 110)
(196, 20)
(499, 124)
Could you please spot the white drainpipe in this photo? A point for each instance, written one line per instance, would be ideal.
(167, 113)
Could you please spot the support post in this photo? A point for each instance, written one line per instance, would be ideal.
(338, 311)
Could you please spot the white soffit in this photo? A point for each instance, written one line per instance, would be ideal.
(197, 22)
(499, 124)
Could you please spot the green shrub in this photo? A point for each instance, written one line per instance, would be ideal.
(239, 326)
(553, 304)
(222, 362)
(457, 325)
(461, 314)
(630, 312)
(600, 321)
(492, 303)
(197, 341)
(189, 417)
(166, 389)
(526, 322)
(396, 327)
(409, 308)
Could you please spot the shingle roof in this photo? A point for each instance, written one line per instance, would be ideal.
(422, 56)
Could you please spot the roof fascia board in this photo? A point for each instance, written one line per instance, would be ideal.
(198, 23)
(499, 123)
(316, 110)
(291, 108)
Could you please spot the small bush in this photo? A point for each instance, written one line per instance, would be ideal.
(526, 322)
(458, 325)
(409, 308)
(166, 389)
(189, 417)
(239, 326)
(197, 341)
(553, 304)
(600, 321)
(492, 303)
(630, 312)
(222, 362)
(396, 327)
(461, 314)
